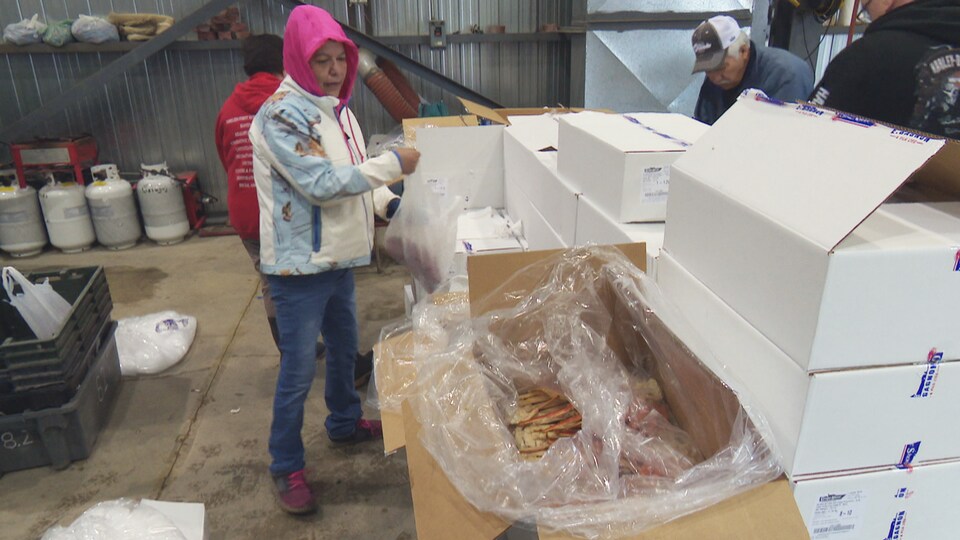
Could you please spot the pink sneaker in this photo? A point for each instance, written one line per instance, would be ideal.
(366, 430)
(293, 493)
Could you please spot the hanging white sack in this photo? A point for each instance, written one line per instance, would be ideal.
(42, 308)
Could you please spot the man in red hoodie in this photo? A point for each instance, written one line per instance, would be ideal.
(263, 64)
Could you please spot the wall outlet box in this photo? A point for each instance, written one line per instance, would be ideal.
(438, 36)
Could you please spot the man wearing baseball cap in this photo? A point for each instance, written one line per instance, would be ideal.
(734, 63)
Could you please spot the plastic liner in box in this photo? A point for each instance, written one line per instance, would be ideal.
(58, 436)
(592, 327)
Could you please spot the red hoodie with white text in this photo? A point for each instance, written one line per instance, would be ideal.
(236, 152)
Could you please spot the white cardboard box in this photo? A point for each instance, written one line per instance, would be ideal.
(464, 161)
(188, 517)
(537, 232)
(621, 163)
(483, 231)
(596, 227)
(775, 210)
(833, 421)
(530, 162)
(893, 504)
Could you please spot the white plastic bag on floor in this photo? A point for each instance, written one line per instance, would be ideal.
(42, 308)
(152, 343)
(120, 519)
(25, 32)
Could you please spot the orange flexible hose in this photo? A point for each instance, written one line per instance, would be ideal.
(390, 97)
(400, 82)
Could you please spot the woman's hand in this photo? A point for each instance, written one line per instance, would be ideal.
(409, 158)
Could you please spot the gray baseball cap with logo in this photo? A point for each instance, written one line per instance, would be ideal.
(710, 41)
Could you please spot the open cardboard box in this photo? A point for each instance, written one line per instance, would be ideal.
(778, 209)
(767, 512)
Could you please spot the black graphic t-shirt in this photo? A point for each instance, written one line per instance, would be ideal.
(938, 93)
(879, 76)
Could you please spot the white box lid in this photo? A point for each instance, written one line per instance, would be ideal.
(835, 170)
(623, 133)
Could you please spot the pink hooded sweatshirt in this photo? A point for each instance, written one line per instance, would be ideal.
(308, 29)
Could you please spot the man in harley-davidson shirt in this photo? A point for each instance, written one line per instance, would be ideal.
(905, 70)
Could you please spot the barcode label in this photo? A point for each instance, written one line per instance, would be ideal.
(833, 529)
(837, 515)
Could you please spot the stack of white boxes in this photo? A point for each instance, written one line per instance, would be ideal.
(591, 177)
(834, 309)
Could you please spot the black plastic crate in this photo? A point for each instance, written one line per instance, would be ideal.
(61, 435)
(22, 353)
(36, 391)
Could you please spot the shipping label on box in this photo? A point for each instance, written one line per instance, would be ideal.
(796, 244)
(892, 504)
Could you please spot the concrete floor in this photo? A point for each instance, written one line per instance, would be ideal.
(198, 432)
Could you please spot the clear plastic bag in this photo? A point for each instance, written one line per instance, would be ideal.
(152, 343)
(42, 308)
(660, 436)
(58, 34)
(423, 233)
(120, 519)
(385, 142)
(25, 32)
(97, 30)
(403, 344)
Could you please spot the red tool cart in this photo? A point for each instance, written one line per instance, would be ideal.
(45, 155)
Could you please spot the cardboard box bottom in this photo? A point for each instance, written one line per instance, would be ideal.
(767, 512)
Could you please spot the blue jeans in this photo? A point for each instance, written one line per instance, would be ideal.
(308, 306)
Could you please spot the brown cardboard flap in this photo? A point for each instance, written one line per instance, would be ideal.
(393, 372)
(939, 176)
(501, 116)
(486, 273)
(440, 511)
(767, 512)
(410, 125)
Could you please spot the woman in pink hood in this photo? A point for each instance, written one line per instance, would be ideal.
(317, 194)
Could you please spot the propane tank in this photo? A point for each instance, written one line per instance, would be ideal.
(67, 217)
(113, 209)
(21, 224)
(161, 202)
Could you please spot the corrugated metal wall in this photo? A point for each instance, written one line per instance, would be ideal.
(164, 109)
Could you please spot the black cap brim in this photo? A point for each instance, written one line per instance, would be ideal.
(709, 61)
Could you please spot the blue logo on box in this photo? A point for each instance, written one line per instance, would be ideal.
(896, 526)
(809, 109)
(908, 136)
(929, 378)
(903, 493)
(851, 119)
(910, 452)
